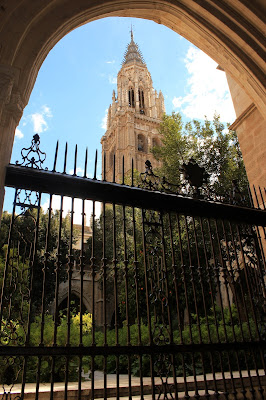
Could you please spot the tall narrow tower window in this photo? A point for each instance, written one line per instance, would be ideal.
(131, 98)
(142, 143)
(141, 102)
(155, 142)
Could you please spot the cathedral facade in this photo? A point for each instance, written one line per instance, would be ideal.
(133, 118)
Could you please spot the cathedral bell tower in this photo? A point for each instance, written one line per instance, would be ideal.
(133, 117)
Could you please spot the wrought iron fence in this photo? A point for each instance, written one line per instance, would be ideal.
(164, 298)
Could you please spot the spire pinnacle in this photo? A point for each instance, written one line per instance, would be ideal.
(133, 53)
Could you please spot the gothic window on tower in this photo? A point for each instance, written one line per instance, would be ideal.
(131, 98)
(142, 145)
(141, 102)
(155, 142)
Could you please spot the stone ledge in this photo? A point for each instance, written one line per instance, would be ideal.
(242, 117)
(111, 389)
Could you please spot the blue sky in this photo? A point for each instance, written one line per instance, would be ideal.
(74, 86)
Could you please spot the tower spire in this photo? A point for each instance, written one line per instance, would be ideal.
(133, 53)
(133, 117)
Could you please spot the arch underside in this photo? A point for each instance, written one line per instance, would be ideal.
(75, 292)
(63, 294)
(230, 32)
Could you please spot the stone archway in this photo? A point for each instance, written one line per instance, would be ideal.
(87, 295)
(74, 305)
(75, 292)
(231, 32)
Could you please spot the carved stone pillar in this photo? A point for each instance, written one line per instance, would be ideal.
(6, 84)
(11, 109)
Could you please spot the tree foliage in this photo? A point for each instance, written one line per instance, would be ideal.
(23, 264)
(211, 144)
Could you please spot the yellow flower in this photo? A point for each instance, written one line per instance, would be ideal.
(86, 321)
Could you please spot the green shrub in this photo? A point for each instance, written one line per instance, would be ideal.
(226, 326)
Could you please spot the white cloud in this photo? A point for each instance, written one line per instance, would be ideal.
(39, 123)
(39, 119)
(110, 62)
(112, 79)
(104, 120)
(19, 134)
(67, 203)
(207, 89)
(47, 111)
(79, 171)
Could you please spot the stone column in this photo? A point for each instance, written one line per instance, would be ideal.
(250, 126)
(11, 109)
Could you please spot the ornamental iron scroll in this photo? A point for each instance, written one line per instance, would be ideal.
(27, 198)
(151, 181)
(195, 175)
(16, 296)
(157, 280)
(195, 184)
(32, 156)
(11, 368)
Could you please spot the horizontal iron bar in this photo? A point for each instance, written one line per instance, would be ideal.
(26, 205)
(85, 188)
(121, 350)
